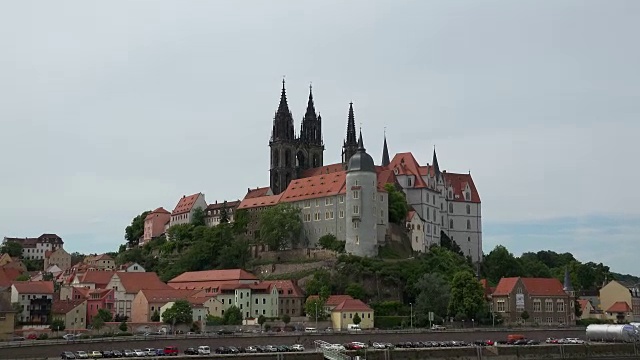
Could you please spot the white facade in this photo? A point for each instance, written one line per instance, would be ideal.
(123, 301)
(416, 228)
(362, 213)
(185, 218)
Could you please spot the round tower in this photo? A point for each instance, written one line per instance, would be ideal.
(361, 228)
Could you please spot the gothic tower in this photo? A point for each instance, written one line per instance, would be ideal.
(385, 152)
(283, 147)
(311, 148)
(350, 145)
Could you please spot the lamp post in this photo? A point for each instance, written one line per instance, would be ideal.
(411, 304)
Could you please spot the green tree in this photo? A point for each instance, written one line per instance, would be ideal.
(577, 308)
(286, 319)
(434, 295)
(321, 280)
(97, 323)
(356, 291)
(155, 317)
(57, 325)
(330, 242)
(224, 215)
(451, 245)
(232, 316)
(525, 315)
(214, 320)
(314, 308)
(467, 295)
(14, 249)
(197, 217)
(105, 315)
(356, 319)
(134, 232)
(261, 320)
(123, 326)
(501, 263)
(23, 277)
(280, 226)
(179, 313)
(397, 203)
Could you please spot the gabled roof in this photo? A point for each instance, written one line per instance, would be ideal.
(133, 282)
(406, 164)
(534, 286)
(333, 300)
(64, 306)
(458, 183)
(315, 187)
(99, 278)
(8, 275)
(214, 275)
(186, 204)
(285, 286)
(100, 257)
(269, 200)
(352, 305)
(219, 205)
(258, 192)
(619, 307)
(156, 212)
(34, 287)
(583, 304)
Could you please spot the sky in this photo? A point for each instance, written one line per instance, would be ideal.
(111, 108)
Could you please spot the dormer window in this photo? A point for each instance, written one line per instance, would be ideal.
(409, 181)
(450, 194)
(467, 196)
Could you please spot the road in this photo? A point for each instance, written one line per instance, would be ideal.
(54, 350)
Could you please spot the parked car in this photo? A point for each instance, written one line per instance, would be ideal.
(82, 355)
(297, 347)
(204, 350)
(117, 353)
(150, 351)
(190, 351)
(160, 352)
(171, 350)
(95, 354)
(67, 355)
(139, 352)
(128, 353)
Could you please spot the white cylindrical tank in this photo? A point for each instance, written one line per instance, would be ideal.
(612, 333)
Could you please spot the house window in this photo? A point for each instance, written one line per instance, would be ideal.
(341, 214)
(356, 224)
(468, 224)
(355, 194)
(317, 202)
(316, 216)
(450, 207)
(560, 305)
(451, 224)
(560, 320)
(341, 199)
(307, 203)
(468, 209)
(450, 194)
(381, 198)
(357, 240)
(409, 181)
(549, 320)
(500, 306)
(328, 201)
(356, 209)
(428, 228)
(537, 306)
(537, 320)
(467, 196)
(548, 305)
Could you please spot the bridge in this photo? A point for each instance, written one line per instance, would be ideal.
(329, 352)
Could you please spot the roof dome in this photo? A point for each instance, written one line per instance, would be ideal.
(361, 161)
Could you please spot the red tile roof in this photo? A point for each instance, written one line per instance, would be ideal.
(218, 205)
(459, 182)
(34, 287)
(8, 275)
(269, 200)
(258, 192)
(619, 307)
(285, 286)
(534, 286)
(583, 304)
(327, 169)
(156, 212)
(406, 164)
(136, 281)
(315, 186)
(185, 204)
(99, 278)
(64, 306)
(352, 305)
(214, 275)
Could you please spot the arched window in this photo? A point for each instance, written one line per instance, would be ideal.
(467, 196)
(468, 224)
(468, 209)
(451, 224)
(450, 207)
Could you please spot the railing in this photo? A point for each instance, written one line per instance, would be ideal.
(329, 352)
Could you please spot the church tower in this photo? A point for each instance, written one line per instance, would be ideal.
(283, 147)
(350, 145)
(311, 147)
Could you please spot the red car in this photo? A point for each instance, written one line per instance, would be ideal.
(171, 350)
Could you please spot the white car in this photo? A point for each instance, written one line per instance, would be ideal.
(574, 341)
(150, 352)
(377, 345)
(204, 350)
(139, 353)
(297, 347)
(337, 347)
(82, 355)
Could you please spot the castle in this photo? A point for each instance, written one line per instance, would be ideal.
(348, 199)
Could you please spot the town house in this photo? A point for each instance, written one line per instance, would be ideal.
(147, 302)
(620, 301)
(126, 286)
(183, 211)
(154, 224)
(35, 299)
(72, 312)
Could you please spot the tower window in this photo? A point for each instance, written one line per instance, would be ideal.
(451, 224)
(468, 224)
(356, 224)
(356, 194)
(341, 214)
(409, 181)
(357, 240)
(450, 207)
(467, 196)
(356, 209)
(468, 209)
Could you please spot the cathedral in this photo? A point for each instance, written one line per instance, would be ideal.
(348, 199)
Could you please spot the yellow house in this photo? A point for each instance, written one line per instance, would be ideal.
(620, 302)
(72, 312)
(5, 259)
(343, 314)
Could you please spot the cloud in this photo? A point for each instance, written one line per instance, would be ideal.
(110, 110)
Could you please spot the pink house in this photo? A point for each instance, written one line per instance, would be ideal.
(96, 299)
(154, 224)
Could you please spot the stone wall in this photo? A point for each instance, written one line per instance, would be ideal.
(277, 269)
(294, 255)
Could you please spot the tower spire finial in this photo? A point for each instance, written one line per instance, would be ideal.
(385, 150)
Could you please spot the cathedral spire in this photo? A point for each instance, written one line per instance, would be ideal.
(283, 120)
(350, 144)
(310, 132)
(361, 142)
(385, 152)
(436, 167)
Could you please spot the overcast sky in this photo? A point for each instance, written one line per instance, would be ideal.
(111, 108)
